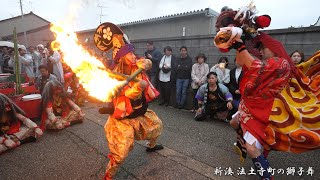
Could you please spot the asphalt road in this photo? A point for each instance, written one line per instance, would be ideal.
(193, 150)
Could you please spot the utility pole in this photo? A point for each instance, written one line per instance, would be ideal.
(23, 27)
(100, 15)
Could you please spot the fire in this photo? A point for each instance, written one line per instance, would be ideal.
(90, 71)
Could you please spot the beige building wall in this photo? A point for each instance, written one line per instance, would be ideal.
(31, 21)
(192, 25)
(38, 37)
(37, 29)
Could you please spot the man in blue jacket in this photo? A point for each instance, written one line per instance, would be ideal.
(155, 56)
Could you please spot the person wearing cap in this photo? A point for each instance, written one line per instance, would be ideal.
(214, 99)
(25, 63)
(199, 74)
(131, 119)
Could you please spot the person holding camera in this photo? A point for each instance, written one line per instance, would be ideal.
(222, 70)
(53, 62)
(166, 66)
(43, 53)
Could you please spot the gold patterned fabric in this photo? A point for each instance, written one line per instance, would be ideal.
(122, 133)
(24, 132)
(295, 115)
(63, 122)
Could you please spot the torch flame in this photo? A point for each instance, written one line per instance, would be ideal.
(90, 71)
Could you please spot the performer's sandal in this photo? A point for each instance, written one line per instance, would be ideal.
(155, 148)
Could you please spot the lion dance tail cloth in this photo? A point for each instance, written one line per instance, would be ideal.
(289, 119)
(280, 102)
(294, 121)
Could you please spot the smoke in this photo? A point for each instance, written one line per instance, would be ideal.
(76, 9)
(129, 3)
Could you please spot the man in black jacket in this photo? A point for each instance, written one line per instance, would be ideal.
(155, 56)
(183, 75)
(235, 78)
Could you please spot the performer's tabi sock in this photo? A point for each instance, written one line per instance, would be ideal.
(261, 162)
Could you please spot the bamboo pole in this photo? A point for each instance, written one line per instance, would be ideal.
(17, 65)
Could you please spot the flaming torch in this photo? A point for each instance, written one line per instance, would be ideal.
(96, 80)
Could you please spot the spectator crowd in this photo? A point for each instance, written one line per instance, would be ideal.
(215, 89)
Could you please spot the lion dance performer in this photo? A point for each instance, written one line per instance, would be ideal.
(280, 105)
(58, 110)
(78, 94)
(15, 128)
(131, 119)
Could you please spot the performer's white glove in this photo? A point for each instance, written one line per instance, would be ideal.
(226, 36)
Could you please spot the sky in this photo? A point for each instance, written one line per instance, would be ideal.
(85, 14)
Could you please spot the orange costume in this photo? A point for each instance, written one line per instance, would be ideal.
(131, 119)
